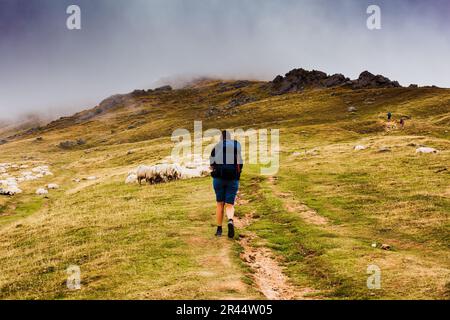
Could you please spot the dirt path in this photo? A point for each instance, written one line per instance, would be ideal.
(294, 206)
(267, 270)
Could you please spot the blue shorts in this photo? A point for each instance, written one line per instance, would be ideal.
(226, 190)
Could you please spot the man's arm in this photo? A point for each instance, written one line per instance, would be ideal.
(212, 158)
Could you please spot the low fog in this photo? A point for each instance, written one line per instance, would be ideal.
(124, 45)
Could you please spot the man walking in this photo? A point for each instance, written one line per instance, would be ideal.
(226, 164)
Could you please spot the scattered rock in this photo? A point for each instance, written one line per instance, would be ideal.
(384, 149)
(71, 143)
(352, 109)
(312, 152)
(240, 99)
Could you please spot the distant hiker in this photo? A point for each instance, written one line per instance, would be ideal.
(402, 123)
(226, 164)
(389, 116)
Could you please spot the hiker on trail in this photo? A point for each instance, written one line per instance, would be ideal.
(226, 164)
(389, 116)
(402, 123)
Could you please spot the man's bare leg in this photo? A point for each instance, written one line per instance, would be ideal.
(219, 213)
(229, 210)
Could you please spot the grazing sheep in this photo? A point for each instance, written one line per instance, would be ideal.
(141, 173)
(41, 191)
(166, 172)
(51, 186)
(198, 172)
(10, 190)
(426, 150)
(359, 147)
(132, 178)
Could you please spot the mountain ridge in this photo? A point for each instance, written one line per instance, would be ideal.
(295, 81)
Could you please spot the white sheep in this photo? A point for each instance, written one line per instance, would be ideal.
(131, 178)
(426, 150)
(141, 173)
(359, 147)
(10, 190)
(51, 186)
(41, 191)
(165, 172)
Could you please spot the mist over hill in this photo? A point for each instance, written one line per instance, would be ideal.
(127, 45)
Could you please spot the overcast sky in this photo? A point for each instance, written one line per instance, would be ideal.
(124, 45)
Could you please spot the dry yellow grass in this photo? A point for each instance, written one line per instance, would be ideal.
(156, 242)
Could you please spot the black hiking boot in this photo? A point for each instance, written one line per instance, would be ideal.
(219, 231)
(230, 229)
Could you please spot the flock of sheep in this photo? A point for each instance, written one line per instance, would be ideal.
(418, 150)
(165, 172)
(9, 183)
(160, 173)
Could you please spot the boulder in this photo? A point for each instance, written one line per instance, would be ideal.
(384, 149)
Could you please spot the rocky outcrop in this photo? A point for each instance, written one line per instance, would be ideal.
(299, 79)
(239, 99)
(163, 89)
(367, 80)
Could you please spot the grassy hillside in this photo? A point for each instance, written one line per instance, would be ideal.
(318, 217)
